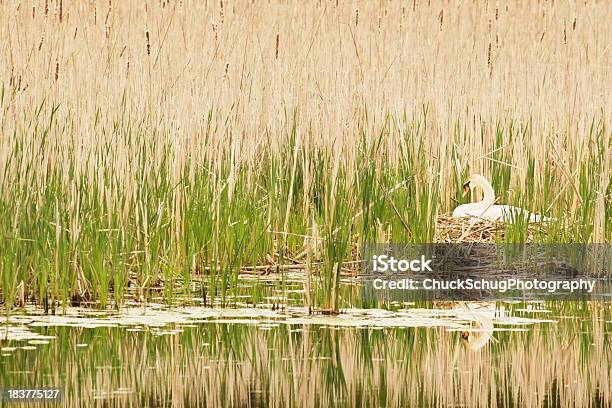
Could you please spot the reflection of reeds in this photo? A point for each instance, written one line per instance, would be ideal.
(566, 364)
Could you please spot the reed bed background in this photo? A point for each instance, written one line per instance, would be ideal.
(159, 141)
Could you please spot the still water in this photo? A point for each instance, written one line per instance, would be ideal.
(448, 354)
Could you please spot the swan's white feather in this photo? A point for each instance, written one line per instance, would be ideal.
(506, 213)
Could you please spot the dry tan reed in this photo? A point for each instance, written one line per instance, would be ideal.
(342, 76)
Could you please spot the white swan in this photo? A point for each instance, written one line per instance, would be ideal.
(486, 209)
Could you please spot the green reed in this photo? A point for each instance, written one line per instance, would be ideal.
(132, 216)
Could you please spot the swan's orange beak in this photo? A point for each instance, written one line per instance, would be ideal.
(466, 188)
(465, 335)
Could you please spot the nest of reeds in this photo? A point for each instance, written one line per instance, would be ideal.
(454, 230)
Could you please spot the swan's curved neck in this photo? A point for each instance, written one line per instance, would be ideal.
(489, 194)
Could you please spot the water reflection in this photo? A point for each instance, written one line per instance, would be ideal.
(222, 361)
(483, 315)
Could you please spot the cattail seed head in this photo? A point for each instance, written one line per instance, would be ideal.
(214, 28)
(57, 68)
(33, 12)
(46, 8)
(574, 24)
(490, 61)
(356, 17)
(441, 18)
(226, 68)
(148, 41)
(564, 33)
(60, 10)
(277, 45)
(221, 12)
(40, 44)
(414, 5)
(496, 13)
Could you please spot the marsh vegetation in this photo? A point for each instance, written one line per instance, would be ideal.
(149, 145)
(186, 186)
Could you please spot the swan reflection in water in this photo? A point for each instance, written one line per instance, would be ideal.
(482, 315)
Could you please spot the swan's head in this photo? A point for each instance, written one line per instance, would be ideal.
(467, 186)
(474, 180)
